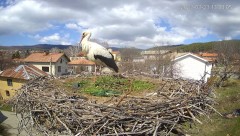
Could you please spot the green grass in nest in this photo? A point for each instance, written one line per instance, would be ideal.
(109, 85)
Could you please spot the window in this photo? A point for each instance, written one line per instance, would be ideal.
(59, 68)
(45, 69)
(61, 60)
(9, 82)
(7, 93)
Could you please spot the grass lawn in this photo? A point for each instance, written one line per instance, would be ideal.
(228, 99)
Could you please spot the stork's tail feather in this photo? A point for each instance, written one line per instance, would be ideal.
(115, 68)
(109, 62)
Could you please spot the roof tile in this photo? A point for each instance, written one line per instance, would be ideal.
(43, 57)
(23, 72)
(81, 62)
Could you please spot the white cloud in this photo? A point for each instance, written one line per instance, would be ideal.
(65, 43)
(72, 26)
(51, 38)
(55, 38)
(123, 23)
(228, 38)
(31, 16)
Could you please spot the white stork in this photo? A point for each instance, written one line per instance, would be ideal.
(97, 53)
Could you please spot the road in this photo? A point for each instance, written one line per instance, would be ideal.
(11, 123)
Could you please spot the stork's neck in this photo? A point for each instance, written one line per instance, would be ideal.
(85, 43)
(86, 38)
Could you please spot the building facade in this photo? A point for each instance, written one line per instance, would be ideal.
(13, 79)
(191, 66)
(52, 63)
(81, 64)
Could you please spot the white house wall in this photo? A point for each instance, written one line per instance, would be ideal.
(190, 67)
(64, 66)
(208, 71)
(39, 65)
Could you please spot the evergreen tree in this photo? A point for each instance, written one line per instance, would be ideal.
(17, 55)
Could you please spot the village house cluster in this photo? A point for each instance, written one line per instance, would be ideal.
(36, 64)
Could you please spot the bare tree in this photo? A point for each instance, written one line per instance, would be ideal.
(103, 43)
(5, 60)
(228, 60)
(160, 62)
(72, 51)
(55, 50)
(127, 55)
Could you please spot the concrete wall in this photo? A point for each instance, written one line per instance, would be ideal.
(16, 84)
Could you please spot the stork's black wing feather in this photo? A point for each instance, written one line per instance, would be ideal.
(108, 61)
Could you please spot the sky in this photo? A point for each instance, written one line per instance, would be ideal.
(120, 23)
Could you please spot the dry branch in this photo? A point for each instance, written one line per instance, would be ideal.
(47, 109)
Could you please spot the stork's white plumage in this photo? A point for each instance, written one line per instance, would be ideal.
(97, 53)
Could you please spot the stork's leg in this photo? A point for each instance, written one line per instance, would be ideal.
(94, 77)
(100, 70)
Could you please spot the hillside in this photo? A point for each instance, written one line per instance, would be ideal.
(165, 47)
(205, 47)
(35, 47)
(194, 47)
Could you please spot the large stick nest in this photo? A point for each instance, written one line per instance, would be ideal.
(47, 109)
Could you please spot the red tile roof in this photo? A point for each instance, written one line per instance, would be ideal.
(18, 60)
(81, 62)
(206, 54)
(210, 57)
(44, 57)
(23, 72)
(115, 52)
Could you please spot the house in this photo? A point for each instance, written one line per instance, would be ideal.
(13, 78)
(152, 54)
(81, 64)
(211, 57)
(139, 59)
(116, 55)
(53, 63)
(190, 66)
